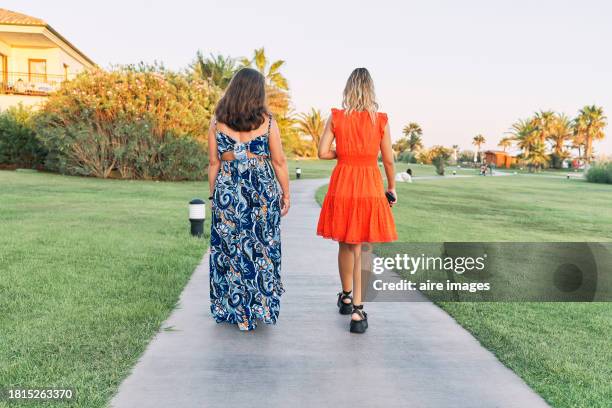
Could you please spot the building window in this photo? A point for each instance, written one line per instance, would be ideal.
(37, 70)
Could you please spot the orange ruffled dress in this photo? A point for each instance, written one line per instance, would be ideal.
(355, 208)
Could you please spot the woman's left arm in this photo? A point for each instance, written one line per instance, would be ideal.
(279, 162)
(387, 157)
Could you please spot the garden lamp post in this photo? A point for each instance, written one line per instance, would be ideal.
(298, 172)
(197, 214)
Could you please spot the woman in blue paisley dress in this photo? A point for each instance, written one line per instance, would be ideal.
(249, 188)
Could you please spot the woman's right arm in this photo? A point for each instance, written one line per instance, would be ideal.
(214, 164)
(325, 144)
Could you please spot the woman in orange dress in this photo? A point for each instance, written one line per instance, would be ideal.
(355, 209)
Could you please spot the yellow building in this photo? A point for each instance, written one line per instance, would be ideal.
(34, 59)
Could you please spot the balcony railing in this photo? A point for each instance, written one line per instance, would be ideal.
(24, 83)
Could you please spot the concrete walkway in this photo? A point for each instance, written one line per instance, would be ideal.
(413, 355)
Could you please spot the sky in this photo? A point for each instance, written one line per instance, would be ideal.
(458, 68)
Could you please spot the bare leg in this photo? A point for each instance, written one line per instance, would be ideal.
(356, 249)
(345, 266)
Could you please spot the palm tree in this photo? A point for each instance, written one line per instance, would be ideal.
(577, 143)
(537, 157)
(415, 142)
(524, 132)
(478, 141)
(589, 126)
(271, 71)
(217, 69)
(561, 131)
(505, 143)
(543, 122)
(412, 138)
(411, 128)
(455, 152)
(313, 125)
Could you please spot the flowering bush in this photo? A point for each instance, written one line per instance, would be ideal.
(424, 156)
(96, 121)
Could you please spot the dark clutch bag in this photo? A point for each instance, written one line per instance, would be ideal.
(390, 197)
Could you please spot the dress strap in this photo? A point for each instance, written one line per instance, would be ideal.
(269, 122)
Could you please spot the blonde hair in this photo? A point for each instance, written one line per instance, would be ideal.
(359, 93)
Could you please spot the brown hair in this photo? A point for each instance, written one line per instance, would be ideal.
(243, 105)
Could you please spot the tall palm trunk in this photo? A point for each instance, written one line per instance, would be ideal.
(588, 145)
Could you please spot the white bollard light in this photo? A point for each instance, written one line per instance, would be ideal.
(298, 172)
(197, 215)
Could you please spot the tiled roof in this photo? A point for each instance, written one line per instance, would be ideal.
(11, 17)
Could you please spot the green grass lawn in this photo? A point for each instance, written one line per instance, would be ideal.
(323, 168)
(562, 350)
(89, 270)
(511, 208)
(544, 172)
(311, 168)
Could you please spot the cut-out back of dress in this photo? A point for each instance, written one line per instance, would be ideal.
(258, 146)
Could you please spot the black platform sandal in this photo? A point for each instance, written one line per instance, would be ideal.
(359, 326)
(345, 308)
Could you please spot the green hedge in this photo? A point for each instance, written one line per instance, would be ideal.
(600, 173)
(19, 147)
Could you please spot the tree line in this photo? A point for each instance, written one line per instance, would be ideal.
(548, 137)
(545, 139)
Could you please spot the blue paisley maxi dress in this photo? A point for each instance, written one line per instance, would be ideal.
(245, 244)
